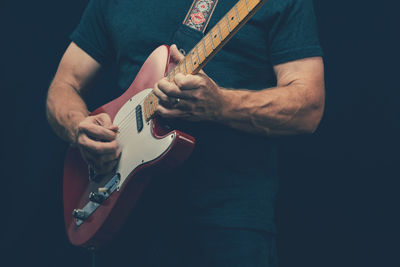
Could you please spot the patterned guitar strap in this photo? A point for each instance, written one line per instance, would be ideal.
(199, 14)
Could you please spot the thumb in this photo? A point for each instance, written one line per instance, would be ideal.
(103, 119)
(175, 55)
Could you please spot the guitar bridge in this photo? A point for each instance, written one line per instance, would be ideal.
(95, 200)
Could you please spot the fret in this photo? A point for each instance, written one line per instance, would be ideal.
(247, 5)
(191, 62)
(195, 58)
(242, 9)
(233, 22)
(219, 32)
(227, 23)
(237, 13)
(208, 46)
(215, 37)
(200, 52)
(187, 66)
(155, 103)
(211, 41)
(204, 48)
(197, 53)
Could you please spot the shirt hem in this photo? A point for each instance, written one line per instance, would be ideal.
(87, 47)
(291, 55)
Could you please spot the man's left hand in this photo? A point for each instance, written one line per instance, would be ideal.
(191, 97)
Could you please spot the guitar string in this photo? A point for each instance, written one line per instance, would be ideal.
(126, 121)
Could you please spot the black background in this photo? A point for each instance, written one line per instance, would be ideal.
(339, 198)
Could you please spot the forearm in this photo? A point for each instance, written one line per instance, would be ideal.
(282, 110)
(65, 109)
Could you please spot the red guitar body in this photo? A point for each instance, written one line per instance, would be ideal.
(92, 222)
(95, 209)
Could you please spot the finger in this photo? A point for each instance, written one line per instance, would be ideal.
(168, 101)
(169, 113)
(179, 104)
(189, 82)
(175, 54)
(96, 131)
(171, 90)
(103, 119)
(160, 94)
(168, 88)
(97, 147)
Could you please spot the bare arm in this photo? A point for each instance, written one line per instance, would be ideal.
(68, 115)
(294, 106)
(65, 106)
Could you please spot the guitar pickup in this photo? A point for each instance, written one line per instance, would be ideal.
(139, 118)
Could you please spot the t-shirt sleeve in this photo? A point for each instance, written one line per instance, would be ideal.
(91, 34)
(294, 35)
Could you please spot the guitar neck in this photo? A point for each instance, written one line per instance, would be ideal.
(209, 45)
(216, 38)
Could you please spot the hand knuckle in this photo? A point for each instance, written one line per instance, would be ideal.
(197, 94)
(105, 117)
(82, 125)
(82, 140)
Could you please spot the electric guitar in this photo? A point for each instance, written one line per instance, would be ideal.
(95, 207)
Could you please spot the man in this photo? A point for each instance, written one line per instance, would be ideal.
(217, 208)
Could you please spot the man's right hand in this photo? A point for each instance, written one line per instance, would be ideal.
(96, 139)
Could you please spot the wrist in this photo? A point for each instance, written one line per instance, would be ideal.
(75, 118)
(228, 104)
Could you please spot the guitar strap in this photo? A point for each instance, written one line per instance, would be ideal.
(200, 14)
(192, 29)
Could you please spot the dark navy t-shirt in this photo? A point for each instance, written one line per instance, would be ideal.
(231, 178)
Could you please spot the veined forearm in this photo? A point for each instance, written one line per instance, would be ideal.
(65, 110)
(276, 111)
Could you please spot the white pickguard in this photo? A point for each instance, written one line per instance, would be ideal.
(137, 147)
